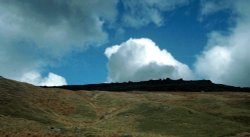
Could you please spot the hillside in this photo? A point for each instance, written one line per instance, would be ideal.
(27, 110)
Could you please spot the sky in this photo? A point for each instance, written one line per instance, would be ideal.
(60, 42)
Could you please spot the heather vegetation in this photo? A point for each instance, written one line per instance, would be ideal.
(26, 110)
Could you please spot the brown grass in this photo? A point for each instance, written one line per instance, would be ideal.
(26, 110)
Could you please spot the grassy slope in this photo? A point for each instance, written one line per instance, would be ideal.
(26, 110)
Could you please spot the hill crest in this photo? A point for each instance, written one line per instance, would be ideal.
(158, 85)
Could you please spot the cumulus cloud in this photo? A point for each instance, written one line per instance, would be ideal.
(33, 33)
(36, 78)
(140, 13)
(141, 59)
(56, 26)
(226, 58)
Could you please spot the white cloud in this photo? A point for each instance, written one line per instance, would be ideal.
(34, 33)
(209, 7)
(35, 78)
(56, 26)
(226, 59)
(141, 59)
(140, 13)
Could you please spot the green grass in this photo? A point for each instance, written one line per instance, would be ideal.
(180, 121)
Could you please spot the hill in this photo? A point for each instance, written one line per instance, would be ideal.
(27, 110)
(158, 85)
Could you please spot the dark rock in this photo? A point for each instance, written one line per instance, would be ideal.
(77, 130)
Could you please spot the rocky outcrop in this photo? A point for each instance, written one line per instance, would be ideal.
(159, 85)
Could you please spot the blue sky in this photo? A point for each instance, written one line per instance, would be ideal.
(54, 43)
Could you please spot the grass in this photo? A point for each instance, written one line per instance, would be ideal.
(26, 110)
